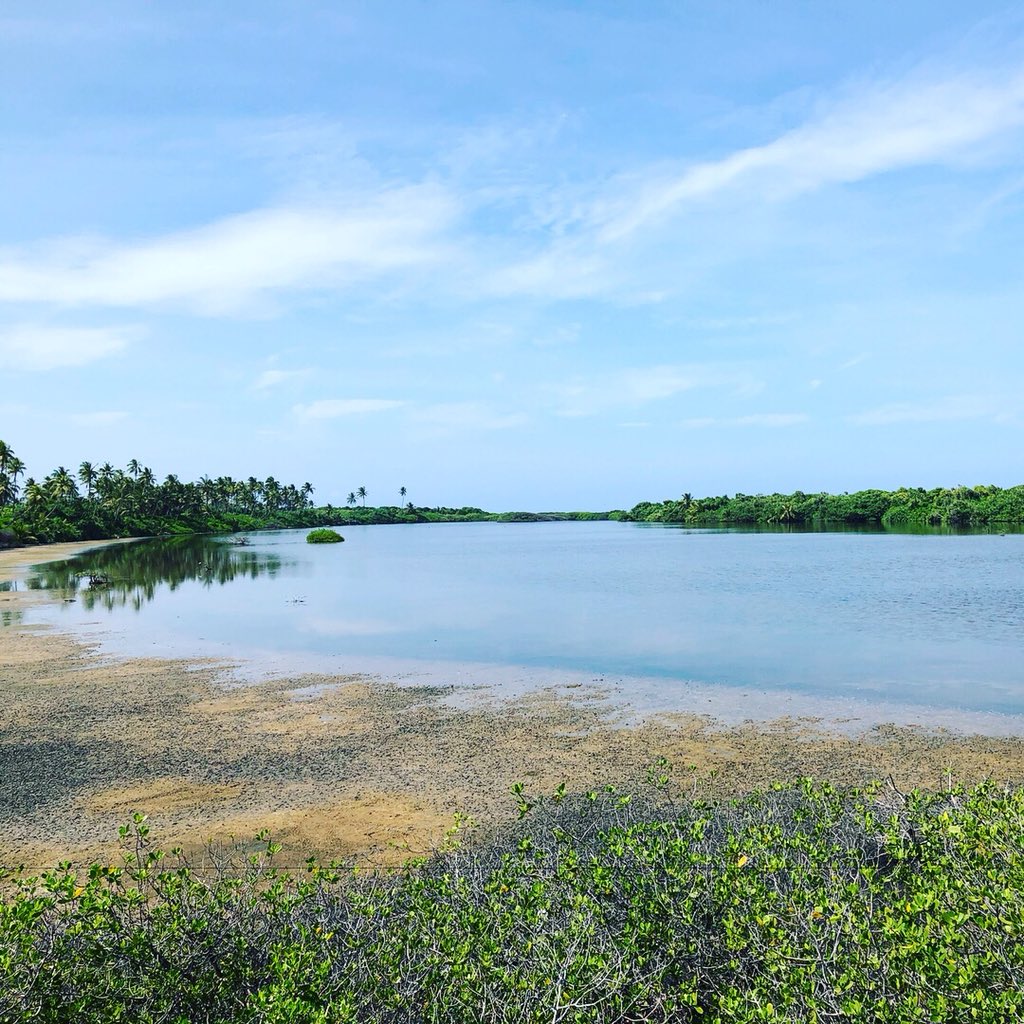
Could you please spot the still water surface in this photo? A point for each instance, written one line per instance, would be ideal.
(913, 619)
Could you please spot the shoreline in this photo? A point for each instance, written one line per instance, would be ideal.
(355, 766)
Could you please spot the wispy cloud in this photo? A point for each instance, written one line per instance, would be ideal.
(639, 386)
(272, 378)
(463, 416)
(881, 128)
(769, 420)
(38, 347)
(221, 267)
(103, 418)
(949, 407)
(334, 408)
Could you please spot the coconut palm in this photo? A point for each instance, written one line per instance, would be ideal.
(9, 479)
(61, 485)
(87, 475)
(351, 499)
(34, 493)
(402, 492)
(362, 495)
(6, 454)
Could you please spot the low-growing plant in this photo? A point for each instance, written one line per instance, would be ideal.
(799, 903)
(324, 536)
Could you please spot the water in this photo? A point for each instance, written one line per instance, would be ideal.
(663, 613)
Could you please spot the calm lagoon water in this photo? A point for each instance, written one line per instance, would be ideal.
(911, 620)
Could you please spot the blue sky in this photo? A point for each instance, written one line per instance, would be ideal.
(522, 255)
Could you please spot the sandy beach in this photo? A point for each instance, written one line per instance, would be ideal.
(358, 767)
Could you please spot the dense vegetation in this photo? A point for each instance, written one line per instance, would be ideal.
(101, 502)
(957, 507)
(801, 903)
(324, 536)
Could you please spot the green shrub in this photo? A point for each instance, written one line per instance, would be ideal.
(324, 536)
(801, 903)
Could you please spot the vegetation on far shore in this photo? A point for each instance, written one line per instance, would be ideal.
(103, 502)
(984, 505)
(800, 903)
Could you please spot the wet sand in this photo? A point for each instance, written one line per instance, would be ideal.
(357, 767)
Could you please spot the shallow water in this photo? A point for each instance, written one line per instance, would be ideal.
(918, 620)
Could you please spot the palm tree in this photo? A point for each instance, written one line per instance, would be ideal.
(6, 454)
(61, 485)
(87, 474)
(362, 495)
(9, 479)
(34, 493)
(402, 492)
(135, 468)
(351, 499)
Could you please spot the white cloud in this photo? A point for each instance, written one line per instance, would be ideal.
(769, 419)
(103, 418)
(639, 386)
(271, 378)
(333, 408)
(37, 347)
(854, 361)
(562, 272)
(223, 266)
(762, 419)
(950, 407)
(468, 416)
(915, 121)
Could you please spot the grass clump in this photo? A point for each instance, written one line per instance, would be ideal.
(324, 536)
(800, 903)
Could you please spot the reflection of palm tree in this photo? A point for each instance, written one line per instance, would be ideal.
(362, 495)
(133, 572)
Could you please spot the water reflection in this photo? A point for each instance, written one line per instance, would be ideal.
(129, 575)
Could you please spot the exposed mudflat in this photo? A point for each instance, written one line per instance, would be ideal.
(358, 767)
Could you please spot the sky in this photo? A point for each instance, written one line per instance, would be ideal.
(549, 255)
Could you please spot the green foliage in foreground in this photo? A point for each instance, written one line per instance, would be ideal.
(324, 536)
(801, 903)
(908, 507)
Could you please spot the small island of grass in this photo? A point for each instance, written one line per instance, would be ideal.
(324, 536)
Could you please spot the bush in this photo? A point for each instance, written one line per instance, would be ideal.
(802, 903)
(324, 536)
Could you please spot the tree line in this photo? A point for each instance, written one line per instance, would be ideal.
(984, 505)
(98, 501)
